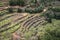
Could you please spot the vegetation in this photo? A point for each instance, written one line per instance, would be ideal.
(56, 9)
(30, 20)
(51, 31)
(12, 2)
(35, 10)
(1, 4)
(10, 10)
(20, 2)
(3, 12)
(16, 2)
(19, 10)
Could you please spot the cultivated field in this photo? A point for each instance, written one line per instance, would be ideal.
(29, 20)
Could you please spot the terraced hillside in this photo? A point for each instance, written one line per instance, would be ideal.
(29, 19)
(21, 26)
(19, 22)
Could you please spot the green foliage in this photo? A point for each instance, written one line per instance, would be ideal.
(1, 4)
(5, 22)
(51, 31)
(49, 16)
(56, 9)
(16, 2)
(47, 2)
(29, 10)
(35, 10)
(12, 2)
(19, 10)
(52, 13)
(3, 12)
(33, 1)
(10, 10)
(57, 15)
(20, 2)
(28, 35)
(39, 9)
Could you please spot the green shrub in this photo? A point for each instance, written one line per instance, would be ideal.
(57, 15)
(33, 1)
(38, 9)
(12, 2)
(16, 2)
(35, 10)
(28, 10)
(20, 2)
(56, 12)
(19, 10)
(10, 10)
(56, 9)
(48, 18)
(52, 33)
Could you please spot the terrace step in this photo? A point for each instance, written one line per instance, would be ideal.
(24, 19)
(10, 27)
(7, 17)
(28, 19)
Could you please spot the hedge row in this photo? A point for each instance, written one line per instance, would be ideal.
(28, 9)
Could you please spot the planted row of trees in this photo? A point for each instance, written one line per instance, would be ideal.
(22, 2)
(28, 10)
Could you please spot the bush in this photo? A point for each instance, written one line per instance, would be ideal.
(10, 10)
(28, 10)
(56, 12)
(12, 2)
(57, 15)
(51, 33)
(20, 2)
(19, 10)
(35, 10)
(16, 2)
(56, 9)
(48, 18)
(38, 9)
